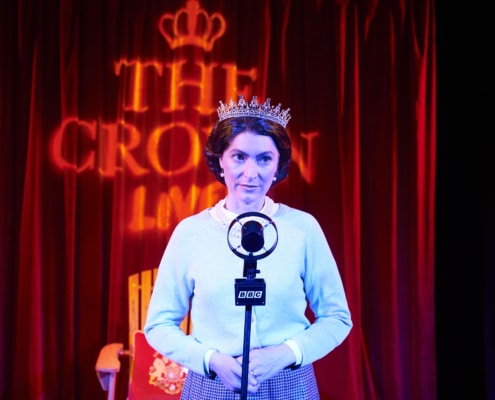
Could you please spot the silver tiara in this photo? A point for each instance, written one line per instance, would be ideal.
(253, 109)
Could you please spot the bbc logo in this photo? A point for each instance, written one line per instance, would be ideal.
(250, 294)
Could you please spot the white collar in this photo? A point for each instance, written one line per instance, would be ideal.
(225, 217)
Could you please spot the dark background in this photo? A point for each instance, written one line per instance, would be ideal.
(465, 199)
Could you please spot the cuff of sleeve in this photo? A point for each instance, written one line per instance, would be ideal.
(296, 350)
(206, 361)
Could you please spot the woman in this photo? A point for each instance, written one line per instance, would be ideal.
(248, 151)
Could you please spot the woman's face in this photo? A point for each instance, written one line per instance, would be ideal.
(249, 165)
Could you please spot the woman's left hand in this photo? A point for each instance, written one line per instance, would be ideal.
(268, 361)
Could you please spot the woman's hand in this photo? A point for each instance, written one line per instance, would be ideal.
(229, 370)
(268, 361)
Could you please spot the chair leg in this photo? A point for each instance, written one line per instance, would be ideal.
(111, 387)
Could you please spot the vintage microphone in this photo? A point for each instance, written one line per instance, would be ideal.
(255, 227)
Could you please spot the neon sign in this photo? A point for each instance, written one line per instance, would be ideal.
(135, 148)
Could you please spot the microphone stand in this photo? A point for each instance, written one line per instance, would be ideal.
(250, 291)
(250, 284)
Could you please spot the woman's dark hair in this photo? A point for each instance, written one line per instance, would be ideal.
(225, 131)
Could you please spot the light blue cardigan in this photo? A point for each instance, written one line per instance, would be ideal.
(198, 264)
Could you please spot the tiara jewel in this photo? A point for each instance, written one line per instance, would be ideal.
(253, 109)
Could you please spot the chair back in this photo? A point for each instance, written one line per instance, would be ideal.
(140, 289)
(152, 376)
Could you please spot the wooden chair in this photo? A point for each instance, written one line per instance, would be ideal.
(152, 376)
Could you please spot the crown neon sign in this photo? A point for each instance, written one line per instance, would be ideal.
(184, 28)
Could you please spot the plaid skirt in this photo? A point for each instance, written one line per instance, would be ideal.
(288, 384)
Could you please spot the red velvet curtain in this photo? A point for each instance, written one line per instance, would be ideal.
(105, 108)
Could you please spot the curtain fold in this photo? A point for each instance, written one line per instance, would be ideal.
(105, 109)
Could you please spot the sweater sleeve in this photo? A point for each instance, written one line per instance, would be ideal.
(169, 304)
(326, 297)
